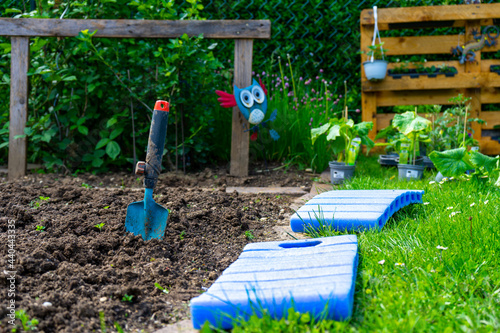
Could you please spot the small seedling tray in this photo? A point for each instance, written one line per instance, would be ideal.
(495, 69)
(412, 73)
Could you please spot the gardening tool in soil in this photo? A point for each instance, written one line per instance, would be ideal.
(146, 217)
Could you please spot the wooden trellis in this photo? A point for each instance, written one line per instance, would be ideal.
(20, 30)
(473, 79)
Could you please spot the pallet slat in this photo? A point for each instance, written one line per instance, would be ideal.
(460, 80)
(431, 13)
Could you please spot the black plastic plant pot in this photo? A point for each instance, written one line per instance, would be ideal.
(410, 171)
(388, 160)
(340, 172)
(412, 73)
(428, 163)
(495, 69)
(418, 161)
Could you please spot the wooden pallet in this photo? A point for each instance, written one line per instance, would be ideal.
(473, 79)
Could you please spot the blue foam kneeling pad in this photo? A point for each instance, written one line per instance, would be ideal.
(313, 275)
(352, 209)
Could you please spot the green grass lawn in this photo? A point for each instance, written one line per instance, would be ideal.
(434, 267)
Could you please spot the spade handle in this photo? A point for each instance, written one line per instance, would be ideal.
(156, 144)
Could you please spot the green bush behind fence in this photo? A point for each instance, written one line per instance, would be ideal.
(80, 100)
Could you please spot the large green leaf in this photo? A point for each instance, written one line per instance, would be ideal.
(363, 128)
(409, 122)
(113, 149)
(316, 132)
(451, 163)
(334, 132)
(483, 162)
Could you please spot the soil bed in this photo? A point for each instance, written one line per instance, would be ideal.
(81, 270)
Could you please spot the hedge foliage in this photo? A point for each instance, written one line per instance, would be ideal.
(80, 115)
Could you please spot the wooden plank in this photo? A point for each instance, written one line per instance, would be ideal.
(218, 29)
(422, 44)
(417, 97)
(488, 146)
(240, 143)
(490, 95)
(18, 106)
(464, 80)
(431, 13)
(492, 118)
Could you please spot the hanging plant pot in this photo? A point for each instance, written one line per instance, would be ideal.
(410, 171)
(339, 172)
(375, 70)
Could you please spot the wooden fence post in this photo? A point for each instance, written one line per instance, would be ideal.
(240, 141)
(18, 106)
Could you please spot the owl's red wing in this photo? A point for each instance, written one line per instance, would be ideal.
(262, 86)
(226, 100)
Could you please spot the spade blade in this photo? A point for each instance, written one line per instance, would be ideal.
(146, 217)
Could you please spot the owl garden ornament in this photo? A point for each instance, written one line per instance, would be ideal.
(252, 102)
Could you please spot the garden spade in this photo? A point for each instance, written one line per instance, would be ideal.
(146, 217)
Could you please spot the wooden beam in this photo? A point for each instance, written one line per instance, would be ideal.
(417, 97)
(431, 13)
(428, 44)
(368, 100)
(18, 106)
(488, 146)
(218, 29)
(460, 80)
(240, 143)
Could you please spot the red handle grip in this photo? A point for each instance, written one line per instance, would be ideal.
(162, 106)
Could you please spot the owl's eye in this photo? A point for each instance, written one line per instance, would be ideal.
(258, 94)
(246, 98)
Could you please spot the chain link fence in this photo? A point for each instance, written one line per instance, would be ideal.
(317, 34)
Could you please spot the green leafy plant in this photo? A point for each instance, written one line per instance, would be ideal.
(127, 298)
(249, 235)
(412, 130)
(40, 228)
(164, 290)
(27, 324)
(340, 133)
(448, 129)
(182, 234)
(100, 226)
(376, 51)
(85, 185)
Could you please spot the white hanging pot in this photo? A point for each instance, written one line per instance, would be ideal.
(375, 70)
